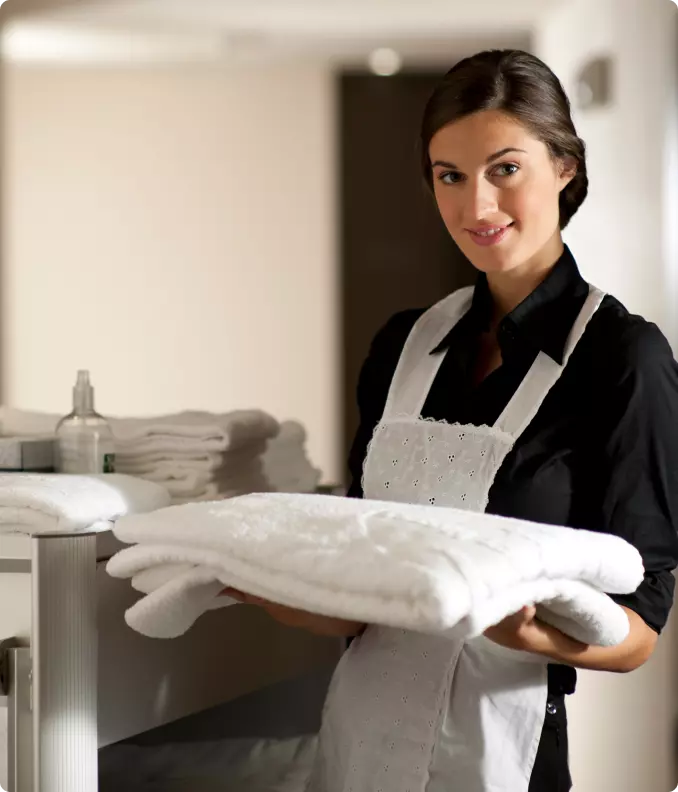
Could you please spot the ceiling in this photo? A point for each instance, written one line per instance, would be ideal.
(237, 31)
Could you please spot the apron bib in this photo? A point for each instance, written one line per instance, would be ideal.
(409, 712)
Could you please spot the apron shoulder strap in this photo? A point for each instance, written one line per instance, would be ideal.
(417, 367)
(544, 374)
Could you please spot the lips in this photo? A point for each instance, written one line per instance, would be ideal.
(489, 234)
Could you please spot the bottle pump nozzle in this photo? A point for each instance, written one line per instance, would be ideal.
(83, 393)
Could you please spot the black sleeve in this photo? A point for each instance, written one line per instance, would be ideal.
(636, 435)
(373, 385)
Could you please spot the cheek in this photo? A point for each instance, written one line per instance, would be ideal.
(535, 204)
(451, 207)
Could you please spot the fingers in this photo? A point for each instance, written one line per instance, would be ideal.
(245, 599)
(528, 613)
(233, 594)
(252, 600)
(241, 596)
(514, 622)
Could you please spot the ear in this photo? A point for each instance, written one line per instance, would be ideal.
(567, 170)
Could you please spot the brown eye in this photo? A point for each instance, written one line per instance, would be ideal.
(508, 169)
(450, 177)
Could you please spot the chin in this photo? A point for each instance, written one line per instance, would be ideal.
(493, 259)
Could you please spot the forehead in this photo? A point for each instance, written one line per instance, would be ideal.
(478, 136)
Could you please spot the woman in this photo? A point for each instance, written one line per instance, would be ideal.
(558, 404)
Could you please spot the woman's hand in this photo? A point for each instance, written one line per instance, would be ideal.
(291, 617)
(523, 631)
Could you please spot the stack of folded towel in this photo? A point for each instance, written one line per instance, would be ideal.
(199, 455)
(36, 503)
(425, 568)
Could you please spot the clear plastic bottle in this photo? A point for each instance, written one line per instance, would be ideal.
(85, 442)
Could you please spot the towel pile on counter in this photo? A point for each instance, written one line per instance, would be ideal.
(201, 456)
(425, 568)
(198, 455)
(36, 503)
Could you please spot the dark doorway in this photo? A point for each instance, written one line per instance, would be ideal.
(395, 250)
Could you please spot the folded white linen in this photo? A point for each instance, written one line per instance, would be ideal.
(187, 479)
(234, 428)
(52, 503)
(255, 475)
(188, 430)
(251, 478)
(154, 578)
(169, 471)
(187, 489)
(172, 446)
(193, 460)
(14, 421)
(424, 568)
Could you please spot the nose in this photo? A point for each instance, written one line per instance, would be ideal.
(481, 201)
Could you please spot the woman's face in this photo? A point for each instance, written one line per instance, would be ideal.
(497, 189)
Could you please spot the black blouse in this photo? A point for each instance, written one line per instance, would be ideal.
(601, 453)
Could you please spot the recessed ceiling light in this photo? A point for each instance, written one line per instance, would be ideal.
(385, 62)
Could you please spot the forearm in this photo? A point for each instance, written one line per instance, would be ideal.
(633, 652)
(332, 628)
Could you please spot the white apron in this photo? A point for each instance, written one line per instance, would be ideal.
(408, 712)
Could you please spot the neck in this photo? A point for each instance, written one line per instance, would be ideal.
(509, 289)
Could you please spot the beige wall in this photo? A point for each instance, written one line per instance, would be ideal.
(623, 727)
(173, 231)
(620, 236)
(26, 8)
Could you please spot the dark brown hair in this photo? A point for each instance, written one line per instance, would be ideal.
(522, 86)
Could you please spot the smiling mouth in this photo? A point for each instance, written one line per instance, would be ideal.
(489, 235)
(489, 231)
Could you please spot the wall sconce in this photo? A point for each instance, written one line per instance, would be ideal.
(594, 84)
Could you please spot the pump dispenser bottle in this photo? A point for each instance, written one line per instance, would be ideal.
(85, 443)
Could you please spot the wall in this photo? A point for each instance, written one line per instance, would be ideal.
(172, 229)
(34, 7)
(620, 237)
(623, 728)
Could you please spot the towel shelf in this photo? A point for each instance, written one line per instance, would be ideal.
(79, 679)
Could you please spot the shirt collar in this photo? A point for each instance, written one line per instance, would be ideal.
(543, 320)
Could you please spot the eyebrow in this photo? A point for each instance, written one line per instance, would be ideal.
(489, 160)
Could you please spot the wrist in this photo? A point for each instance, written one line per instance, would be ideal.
(336, 628)
(554, 645)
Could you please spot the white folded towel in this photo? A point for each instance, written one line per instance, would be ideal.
(235, 428)
(171, 446)
(277, 465)
(188, 431)
(423, 568)
(193, 488)
(193, 460)
(202, 460)
(52, 503)
(175, 471)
